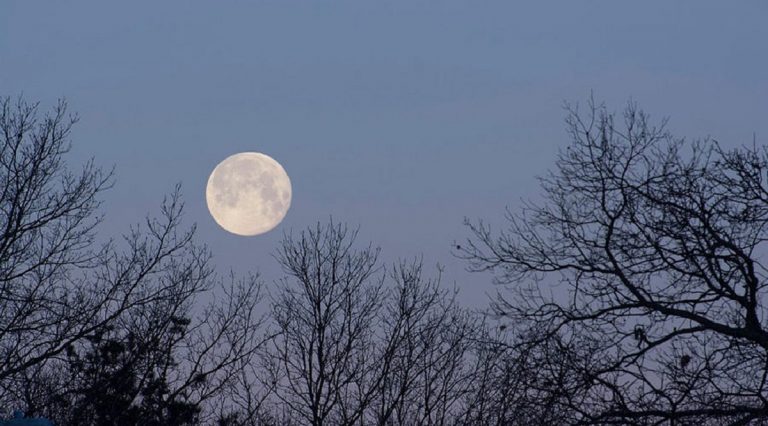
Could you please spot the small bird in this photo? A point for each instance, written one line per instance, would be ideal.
(685, 360)
(639, 334)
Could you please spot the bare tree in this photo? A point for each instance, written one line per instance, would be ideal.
(48, 220)
(78, 318)
(520, 380)
(325, 314)
(358, 345)
(642, 268)
(428, 362)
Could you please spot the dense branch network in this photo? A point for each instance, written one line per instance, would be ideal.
(655, 244)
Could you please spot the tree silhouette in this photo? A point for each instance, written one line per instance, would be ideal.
(95, 333)
(635, 296)
(640, 271)
(356, 344)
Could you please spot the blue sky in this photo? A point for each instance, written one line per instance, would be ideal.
(402, 117)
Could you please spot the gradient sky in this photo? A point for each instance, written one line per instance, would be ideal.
(402, 117)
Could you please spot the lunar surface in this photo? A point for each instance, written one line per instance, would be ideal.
(248, 193)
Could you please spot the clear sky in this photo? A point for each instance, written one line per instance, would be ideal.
(402, 117)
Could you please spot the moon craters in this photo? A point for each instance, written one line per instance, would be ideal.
(248, 193)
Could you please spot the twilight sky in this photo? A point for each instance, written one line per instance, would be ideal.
(402, 117)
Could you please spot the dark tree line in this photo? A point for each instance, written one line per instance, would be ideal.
(633, 294)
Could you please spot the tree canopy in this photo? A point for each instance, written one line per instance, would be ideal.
(641, 271)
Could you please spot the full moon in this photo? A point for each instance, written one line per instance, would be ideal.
(248, 193)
